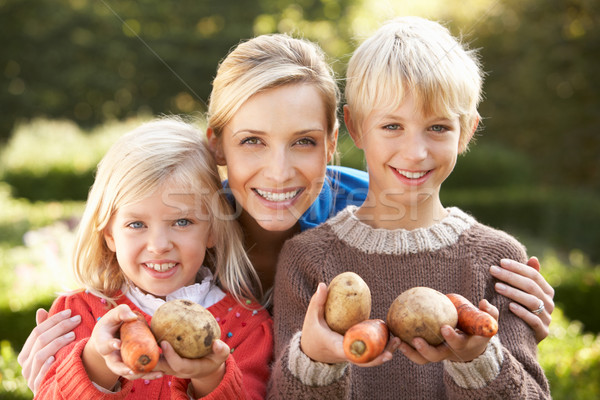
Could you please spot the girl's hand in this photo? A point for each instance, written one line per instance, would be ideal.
(458, 346)
(102, 354)
(206, 373)
(528, 288)
(49, 336)
(322, 344)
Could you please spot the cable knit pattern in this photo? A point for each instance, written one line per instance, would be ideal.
(247, 329)
(452, 256)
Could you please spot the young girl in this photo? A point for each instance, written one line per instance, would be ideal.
(273, 123)
(412, 92)
(153, 215)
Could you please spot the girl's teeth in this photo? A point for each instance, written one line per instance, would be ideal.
(277, 196)
(411, 175)
(161, 267)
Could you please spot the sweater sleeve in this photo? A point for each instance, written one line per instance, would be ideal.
(297, 277)
(519, 375)
(67, 377)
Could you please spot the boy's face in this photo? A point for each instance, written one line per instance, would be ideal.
(408, 155)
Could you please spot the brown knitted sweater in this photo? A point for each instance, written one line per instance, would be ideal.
(453, 255)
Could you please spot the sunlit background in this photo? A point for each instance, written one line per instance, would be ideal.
(76, 74)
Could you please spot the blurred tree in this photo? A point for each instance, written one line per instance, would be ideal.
(544, 87)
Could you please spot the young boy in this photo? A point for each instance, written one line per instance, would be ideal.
(412, 94)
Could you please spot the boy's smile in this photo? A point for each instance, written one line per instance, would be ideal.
(409, 156)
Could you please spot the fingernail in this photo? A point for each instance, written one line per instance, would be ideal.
(76, 318)
(65, 313)
(69, 335)
(494, 269)
(506, 261)
(50, 360)
(501, 287)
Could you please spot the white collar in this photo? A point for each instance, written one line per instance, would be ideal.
(205, 293)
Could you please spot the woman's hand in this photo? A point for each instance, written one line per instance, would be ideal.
(458, 346)
(49, 336)
(322, 344)
(529, 290)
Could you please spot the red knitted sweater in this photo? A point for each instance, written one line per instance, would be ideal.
(247, 330)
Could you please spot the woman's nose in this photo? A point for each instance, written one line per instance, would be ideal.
(279, 166)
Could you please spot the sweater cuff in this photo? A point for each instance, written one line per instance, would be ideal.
(309, 372)
(481, 371)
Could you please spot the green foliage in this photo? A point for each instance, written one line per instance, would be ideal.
(571, 359)
(12, 383)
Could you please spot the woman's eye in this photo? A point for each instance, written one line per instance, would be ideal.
(136, 225)
(306, 142)
(250, 140)
(183, 222)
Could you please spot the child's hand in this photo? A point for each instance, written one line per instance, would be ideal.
(104, 347)
(322, 344)
(458, 346)
(206, 373)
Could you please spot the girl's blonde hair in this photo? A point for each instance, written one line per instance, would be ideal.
(412, 54)
(266, 62)
(164, 151)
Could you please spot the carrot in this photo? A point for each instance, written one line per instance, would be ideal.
(471, 319)
(364, 341)
(139, 349)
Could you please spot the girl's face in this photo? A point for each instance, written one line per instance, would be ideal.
(160, 241)
(409, 155)
(276, 149)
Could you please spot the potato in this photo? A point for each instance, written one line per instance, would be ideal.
(190, 328)
(348, 302)
(421, 312)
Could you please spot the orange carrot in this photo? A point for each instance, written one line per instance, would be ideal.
(471, 319)
(364, 341)
(139, 349)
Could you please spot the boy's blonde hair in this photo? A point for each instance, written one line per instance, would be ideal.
(412, 54)
(266, 62)
(165, 151)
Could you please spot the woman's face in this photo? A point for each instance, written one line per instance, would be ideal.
(276, 149)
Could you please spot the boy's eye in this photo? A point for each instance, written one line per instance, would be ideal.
(183, 222)
(136, 225)
(439, 128)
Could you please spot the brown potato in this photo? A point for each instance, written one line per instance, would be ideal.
(421, 312)
(190, 328)
(348, 302)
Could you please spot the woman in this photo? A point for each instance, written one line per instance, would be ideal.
(273, 122)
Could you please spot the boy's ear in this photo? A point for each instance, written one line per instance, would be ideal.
(465, 144)
(110, 241)
(354, 133)
(215, 146)
(332, 145)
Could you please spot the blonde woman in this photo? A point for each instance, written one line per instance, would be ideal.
(153, 215)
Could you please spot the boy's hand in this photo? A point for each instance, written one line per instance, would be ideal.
(206, 373)
(458, 346)
(322, 344)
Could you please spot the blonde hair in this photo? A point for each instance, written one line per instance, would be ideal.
(266, 62)
(163, 151)
(412, 54)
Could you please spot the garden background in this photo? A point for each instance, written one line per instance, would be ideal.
(78, 73)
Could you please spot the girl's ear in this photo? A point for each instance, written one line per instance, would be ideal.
(110, 241)
(354, 133)
(331, 145)
(215, 146)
